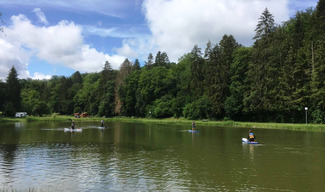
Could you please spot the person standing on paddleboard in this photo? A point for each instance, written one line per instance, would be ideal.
(251, 137)
(193, 126)
(102, 123)
(73, 124)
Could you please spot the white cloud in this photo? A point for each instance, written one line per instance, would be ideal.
(41, 76)
(126, 48)
(41, 16)
(115, 32)
(12, 55)
(58, 44)
(103, 32)
(91, 60)
(138, 47)
(177, 25)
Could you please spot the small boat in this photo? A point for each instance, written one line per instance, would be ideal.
(245, 140)
(72, 130)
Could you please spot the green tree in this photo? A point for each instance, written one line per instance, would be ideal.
(2, 95)
(136, 65)
(107, 105)
(125, 70)
(213, 80)
(295, 76)
(234, 103)
(128, 94)
(87, 96)
(106, 94)
(259, 74)
(40, 109)
(162, 107)
(184, 93)
(77, 85)
(13, 89)
(61, 95)
(197, 71)
(161, 59)
(318, 61)
(149, 63)
(30, 98)
(265, 25)
(198, 109)
(153, 84)
(217, 77)
(76, 78)
(9, 109)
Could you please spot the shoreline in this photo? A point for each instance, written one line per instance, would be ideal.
(252, 125)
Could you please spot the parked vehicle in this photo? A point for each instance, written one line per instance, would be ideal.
(21, 114)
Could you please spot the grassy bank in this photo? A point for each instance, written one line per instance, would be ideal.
(255, 125)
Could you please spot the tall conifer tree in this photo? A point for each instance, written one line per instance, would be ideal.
(13, 89)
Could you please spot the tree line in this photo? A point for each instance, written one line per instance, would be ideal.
(273, 80)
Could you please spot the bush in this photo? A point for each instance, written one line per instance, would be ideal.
(163, 107)
(199, 109)
(41, 109)
(9, 109)
(105, 108)
(54, 115)
(318, 116)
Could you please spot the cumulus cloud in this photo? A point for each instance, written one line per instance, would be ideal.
(137, 47)
(41, 76)
(13, 55)
(58, 44)
(126, 49)
(177, 25)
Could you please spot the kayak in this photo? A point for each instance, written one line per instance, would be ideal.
(244, 140)
(72, 130)
(193, 131)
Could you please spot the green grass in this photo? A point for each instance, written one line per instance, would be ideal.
(255, 125)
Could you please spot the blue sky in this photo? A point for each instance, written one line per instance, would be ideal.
(43, 38)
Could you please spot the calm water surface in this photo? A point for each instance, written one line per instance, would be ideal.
(149, 157)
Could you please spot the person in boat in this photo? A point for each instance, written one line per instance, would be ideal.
(73, 125)
(251, 137)
(102, 123)
(193, 126)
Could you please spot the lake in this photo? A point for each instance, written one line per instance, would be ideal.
(40, 156)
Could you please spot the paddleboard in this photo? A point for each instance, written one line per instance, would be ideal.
(193, 131)
(101, 127)
(245, 140)
(72, 130)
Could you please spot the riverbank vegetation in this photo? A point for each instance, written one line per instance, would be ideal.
(173, 121)
(271, 81)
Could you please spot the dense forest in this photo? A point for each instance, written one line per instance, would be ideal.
(273, 80)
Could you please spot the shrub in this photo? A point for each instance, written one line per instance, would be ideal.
(41, 109)
(198, 109)
(9, 109)
(318, 116)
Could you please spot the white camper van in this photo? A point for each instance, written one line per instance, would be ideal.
(21, 114)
